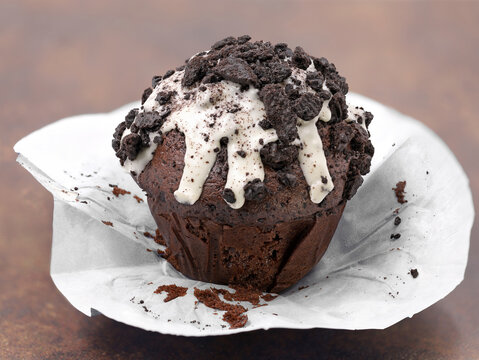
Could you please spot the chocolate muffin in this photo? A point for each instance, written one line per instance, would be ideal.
(248, 154)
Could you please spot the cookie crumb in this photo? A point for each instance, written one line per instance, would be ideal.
(107, 223)
(414, 273)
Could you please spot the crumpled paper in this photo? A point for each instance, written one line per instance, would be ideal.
(363, 281)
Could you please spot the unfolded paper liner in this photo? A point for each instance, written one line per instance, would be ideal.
(363, 281)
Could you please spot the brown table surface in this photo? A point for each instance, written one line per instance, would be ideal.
(60, 58)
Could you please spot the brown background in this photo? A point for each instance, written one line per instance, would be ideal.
(60, 58)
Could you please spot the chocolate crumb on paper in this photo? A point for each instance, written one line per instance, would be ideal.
(107, 223)
(397, 220)
(399, 191)
(138, 199)
(414, 273)
(117, 191)
(235, 314)
(173, 291)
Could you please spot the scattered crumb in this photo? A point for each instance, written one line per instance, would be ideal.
(119, 191)
(303, 287)
(138, 199)
(395, 236)
(414, 273)
(399, 191)
(241, 294)
(173, 291)
(149, 250)
(234, 313)
(397, 220)
(108, 223)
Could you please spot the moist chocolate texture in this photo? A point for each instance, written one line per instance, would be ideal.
(279, 234)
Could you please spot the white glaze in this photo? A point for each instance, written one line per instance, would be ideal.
(356, 113)
(311, 155)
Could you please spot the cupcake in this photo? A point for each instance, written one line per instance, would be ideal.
(248, 154)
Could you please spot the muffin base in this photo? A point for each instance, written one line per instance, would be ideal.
(264, 257)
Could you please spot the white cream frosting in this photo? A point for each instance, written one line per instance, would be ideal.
(311, 155)
(356, 114)
(222, 110)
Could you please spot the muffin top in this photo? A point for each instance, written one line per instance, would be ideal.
(257, 104)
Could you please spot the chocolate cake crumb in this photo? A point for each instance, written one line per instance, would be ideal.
(303, 287)
(138, 199)
(395, 236)
(234, 313)
(397, 220)
(414, 273)
(241, 153)
(119, 191)
(107, 223)
(173, 291)
(244, 294)
(236, 318)
(399, 191)
(269, 297)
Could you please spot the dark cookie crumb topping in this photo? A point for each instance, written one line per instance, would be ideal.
(272, 69)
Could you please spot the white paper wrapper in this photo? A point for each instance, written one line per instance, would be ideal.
(362, 282)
